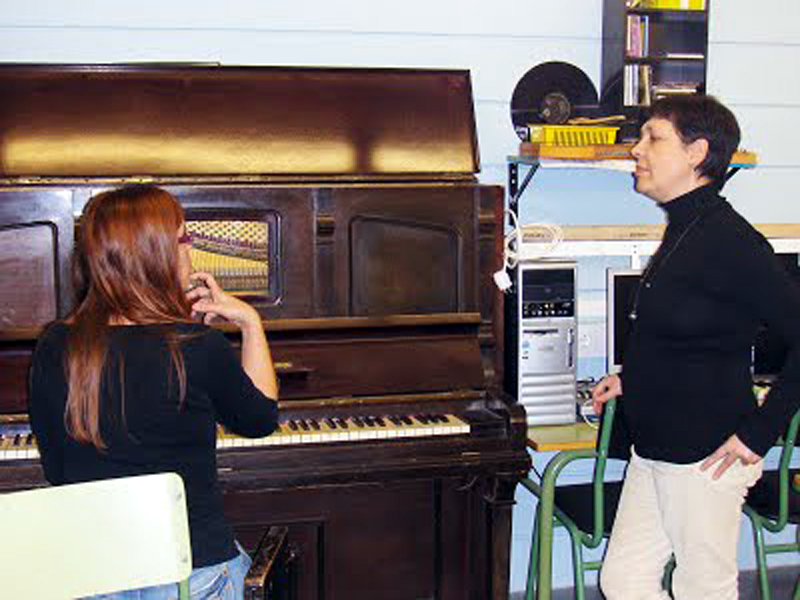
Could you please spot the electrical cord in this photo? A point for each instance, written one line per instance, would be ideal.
(513, 243)
(587, 420)
(545, 230)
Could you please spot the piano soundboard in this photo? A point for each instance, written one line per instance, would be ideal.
(17, 442)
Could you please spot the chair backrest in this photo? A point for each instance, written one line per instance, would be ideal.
(602, 450)
(94, 538)
(788, 442)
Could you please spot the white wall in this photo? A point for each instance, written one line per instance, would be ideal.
(754, 52)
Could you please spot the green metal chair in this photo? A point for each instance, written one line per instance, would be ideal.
(586, 511)
(771, 505)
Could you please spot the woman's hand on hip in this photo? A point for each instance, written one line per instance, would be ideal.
(732, 450)
(609, 387)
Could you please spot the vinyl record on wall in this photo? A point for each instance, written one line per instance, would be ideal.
(552, 92)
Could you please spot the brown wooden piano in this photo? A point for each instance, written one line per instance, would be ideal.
(343, 204)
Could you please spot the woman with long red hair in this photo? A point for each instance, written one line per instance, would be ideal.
(131, 383)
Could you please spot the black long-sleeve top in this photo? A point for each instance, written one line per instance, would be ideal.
(145, 429)
(686, 371)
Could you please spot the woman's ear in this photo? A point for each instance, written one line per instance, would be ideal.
(698, 150)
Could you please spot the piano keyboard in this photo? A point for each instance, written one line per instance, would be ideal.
(17, 442)
(350, 429)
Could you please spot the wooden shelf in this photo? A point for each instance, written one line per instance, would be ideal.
(649, 60)
(743, 159)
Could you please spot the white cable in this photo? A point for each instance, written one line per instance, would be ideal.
(554, 232)
(590, 423)
(512, 245)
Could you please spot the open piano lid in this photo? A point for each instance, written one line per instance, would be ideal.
(120, 121)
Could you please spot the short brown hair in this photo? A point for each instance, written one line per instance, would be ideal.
(699, 116)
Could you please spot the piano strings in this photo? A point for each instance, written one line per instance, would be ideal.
(235, 252)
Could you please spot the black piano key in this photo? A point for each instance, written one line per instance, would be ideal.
(359, 422)
(380, 422)
(342, 423)
(331, 423)
(303, 425)
(292, 425)
(314, 424)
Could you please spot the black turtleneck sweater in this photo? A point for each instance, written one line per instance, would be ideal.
(686, 371)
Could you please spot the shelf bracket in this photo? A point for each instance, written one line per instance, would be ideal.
(515, 188)
(731, 172)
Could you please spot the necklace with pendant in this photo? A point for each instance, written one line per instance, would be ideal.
(654, 265)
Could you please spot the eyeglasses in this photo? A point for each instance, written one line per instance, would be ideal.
(186, 238)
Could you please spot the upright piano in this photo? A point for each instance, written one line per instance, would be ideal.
(343, 204)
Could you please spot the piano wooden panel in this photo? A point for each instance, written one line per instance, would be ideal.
(14, 366)
(36, 233)
(203, 120)
(354, 357)
(407, 249)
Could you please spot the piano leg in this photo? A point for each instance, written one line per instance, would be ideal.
(501, 504)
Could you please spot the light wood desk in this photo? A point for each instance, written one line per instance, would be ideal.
(548, 438)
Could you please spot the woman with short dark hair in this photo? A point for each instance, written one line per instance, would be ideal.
(130, 383)
(698, 433)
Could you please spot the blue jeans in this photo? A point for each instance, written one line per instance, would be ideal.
(223, 581)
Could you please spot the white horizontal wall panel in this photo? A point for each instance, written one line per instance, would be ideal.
(755, 74)
(746, 21)
(766, 195)
(566, 18)
(770, 131)
(496, 67)
(496, 136)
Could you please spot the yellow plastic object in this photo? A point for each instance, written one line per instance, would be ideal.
(675, 4)
(572, 135)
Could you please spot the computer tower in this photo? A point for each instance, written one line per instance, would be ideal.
(541, 341)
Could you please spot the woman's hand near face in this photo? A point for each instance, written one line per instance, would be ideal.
(609, 387)
(210, 300)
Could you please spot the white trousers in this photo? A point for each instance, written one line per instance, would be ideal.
(668, 509)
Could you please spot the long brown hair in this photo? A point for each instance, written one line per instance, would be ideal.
(127, 264)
